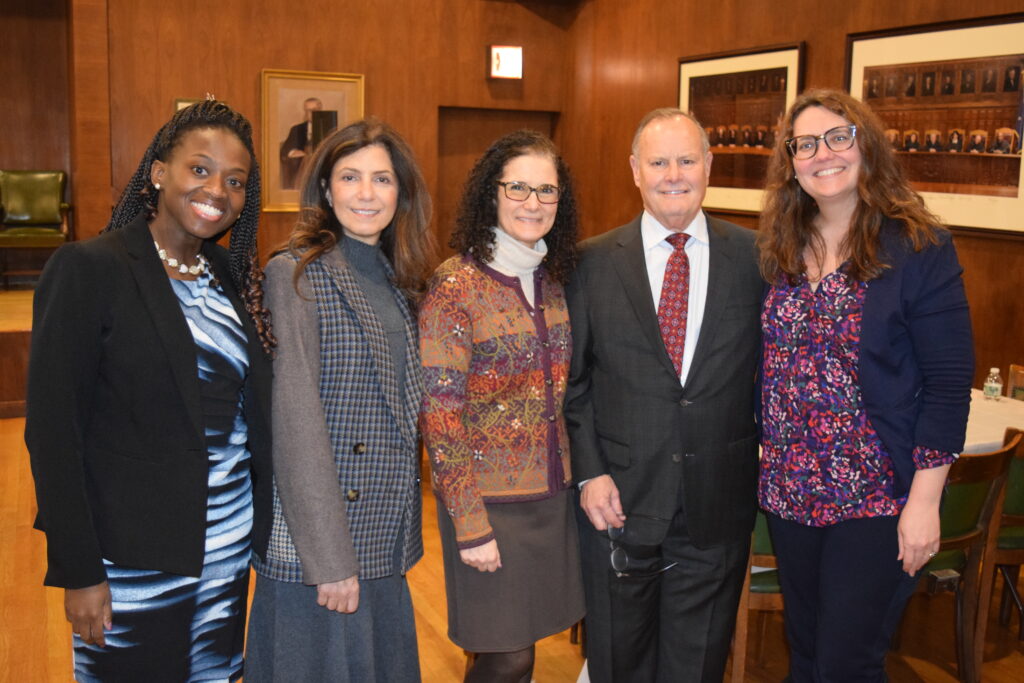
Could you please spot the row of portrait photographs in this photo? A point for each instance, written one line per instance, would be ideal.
(741, 83)
(938, 82)
(740, 136)
(1004, 141)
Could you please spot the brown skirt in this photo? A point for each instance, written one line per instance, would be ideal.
(538, 590)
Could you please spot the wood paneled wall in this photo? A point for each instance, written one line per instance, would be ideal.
(624, 64)
(600, 64)
(34, 77)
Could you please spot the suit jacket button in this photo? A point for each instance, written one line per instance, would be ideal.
(359, 448)
(676, 457)
(684, 402)
(352, 495)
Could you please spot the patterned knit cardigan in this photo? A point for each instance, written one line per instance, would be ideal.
(494, 380)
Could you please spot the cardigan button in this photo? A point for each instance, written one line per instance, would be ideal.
(548, 381)
(359, 448)
(551, 418)
(545, 344)
(352, 495)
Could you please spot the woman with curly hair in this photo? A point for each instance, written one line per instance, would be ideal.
(148, 412)
(495, 342)
(865, 383)
(331, 600)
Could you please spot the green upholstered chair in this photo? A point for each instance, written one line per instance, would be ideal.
(973, 490)
(34, 215)
(1006, 554)
(761, 591)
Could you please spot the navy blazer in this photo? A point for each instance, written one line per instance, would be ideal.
(916, 351)
(114, 425)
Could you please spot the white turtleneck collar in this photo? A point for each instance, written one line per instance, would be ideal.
(512, 257)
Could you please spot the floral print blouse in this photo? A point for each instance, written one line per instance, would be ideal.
(822, 461)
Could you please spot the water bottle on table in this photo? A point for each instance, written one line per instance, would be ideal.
(993, 387)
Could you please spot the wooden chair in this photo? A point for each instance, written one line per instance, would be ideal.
(1006, 548)
(761, 591)
(974, 487)
(1015, 382)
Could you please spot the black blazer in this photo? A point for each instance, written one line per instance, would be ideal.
(626, 412)
(114, 425)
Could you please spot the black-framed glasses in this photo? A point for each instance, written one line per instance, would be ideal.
(838, 139)
(519, 191)
(634, 561)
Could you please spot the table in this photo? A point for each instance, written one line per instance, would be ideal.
(988, 421)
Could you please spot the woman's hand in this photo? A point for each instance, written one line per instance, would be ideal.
(89, 611)
(484, 557)
(339, 596)
(918, 528)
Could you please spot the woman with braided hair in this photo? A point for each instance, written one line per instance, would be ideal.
(148, 412)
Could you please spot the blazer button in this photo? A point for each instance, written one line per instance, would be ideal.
(684, 402)
(676, 457)
(359, 448)
(352, 495)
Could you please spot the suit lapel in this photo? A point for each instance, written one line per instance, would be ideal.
(377, 341)
(165, 313)
(720, 259)
(632, 271)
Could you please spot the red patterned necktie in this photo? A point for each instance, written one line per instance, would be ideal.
(675, 295)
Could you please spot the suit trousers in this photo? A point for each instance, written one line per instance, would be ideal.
(845, 592)
(671, 626)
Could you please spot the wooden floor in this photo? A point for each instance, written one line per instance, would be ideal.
(35, 643)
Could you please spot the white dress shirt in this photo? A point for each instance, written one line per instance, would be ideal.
(656, 254)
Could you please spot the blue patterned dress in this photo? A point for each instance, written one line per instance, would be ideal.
(180, 628)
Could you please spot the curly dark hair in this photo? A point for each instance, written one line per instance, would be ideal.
(243, 258)
(478, 209)
(787, 221)
(407, 241)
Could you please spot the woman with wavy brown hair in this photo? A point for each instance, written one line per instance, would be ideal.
(494, 332)
(331, 600)
(865, 383)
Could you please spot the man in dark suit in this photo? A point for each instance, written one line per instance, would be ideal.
(661, 418)
(297, 145)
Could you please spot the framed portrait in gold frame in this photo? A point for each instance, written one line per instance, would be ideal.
(299, 109)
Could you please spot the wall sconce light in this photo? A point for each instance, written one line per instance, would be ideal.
(506, 61)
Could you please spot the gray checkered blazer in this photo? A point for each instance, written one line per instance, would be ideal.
(372, 426)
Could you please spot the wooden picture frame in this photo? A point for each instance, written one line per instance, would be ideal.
(739, 97)
(300, 108)
(961, 81)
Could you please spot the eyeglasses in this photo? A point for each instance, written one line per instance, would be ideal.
(634, 561)
(520, 192)
(838, 139)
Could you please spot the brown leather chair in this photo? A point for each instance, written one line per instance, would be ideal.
(34, 215)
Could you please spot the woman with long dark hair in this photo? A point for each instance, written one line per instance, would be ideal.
(495, 342)
(148, 412)
(331, 600)
(865, 383)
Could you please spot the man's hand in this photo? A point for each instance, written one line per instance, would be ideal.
(484, 557)
(339, 596)
(600, 500)
(89, 611)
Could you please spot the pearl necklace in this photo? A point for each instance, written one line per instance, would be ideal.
(198, 269)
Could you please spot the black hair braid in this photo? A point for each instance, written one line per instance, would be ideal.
(243, 260)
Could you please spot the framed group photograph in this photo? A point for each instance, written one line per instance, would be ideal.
(954, 112)
(300, 108)
(740, 97)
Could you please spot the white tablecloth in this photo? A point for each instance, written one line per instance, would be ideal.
(988, 421)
